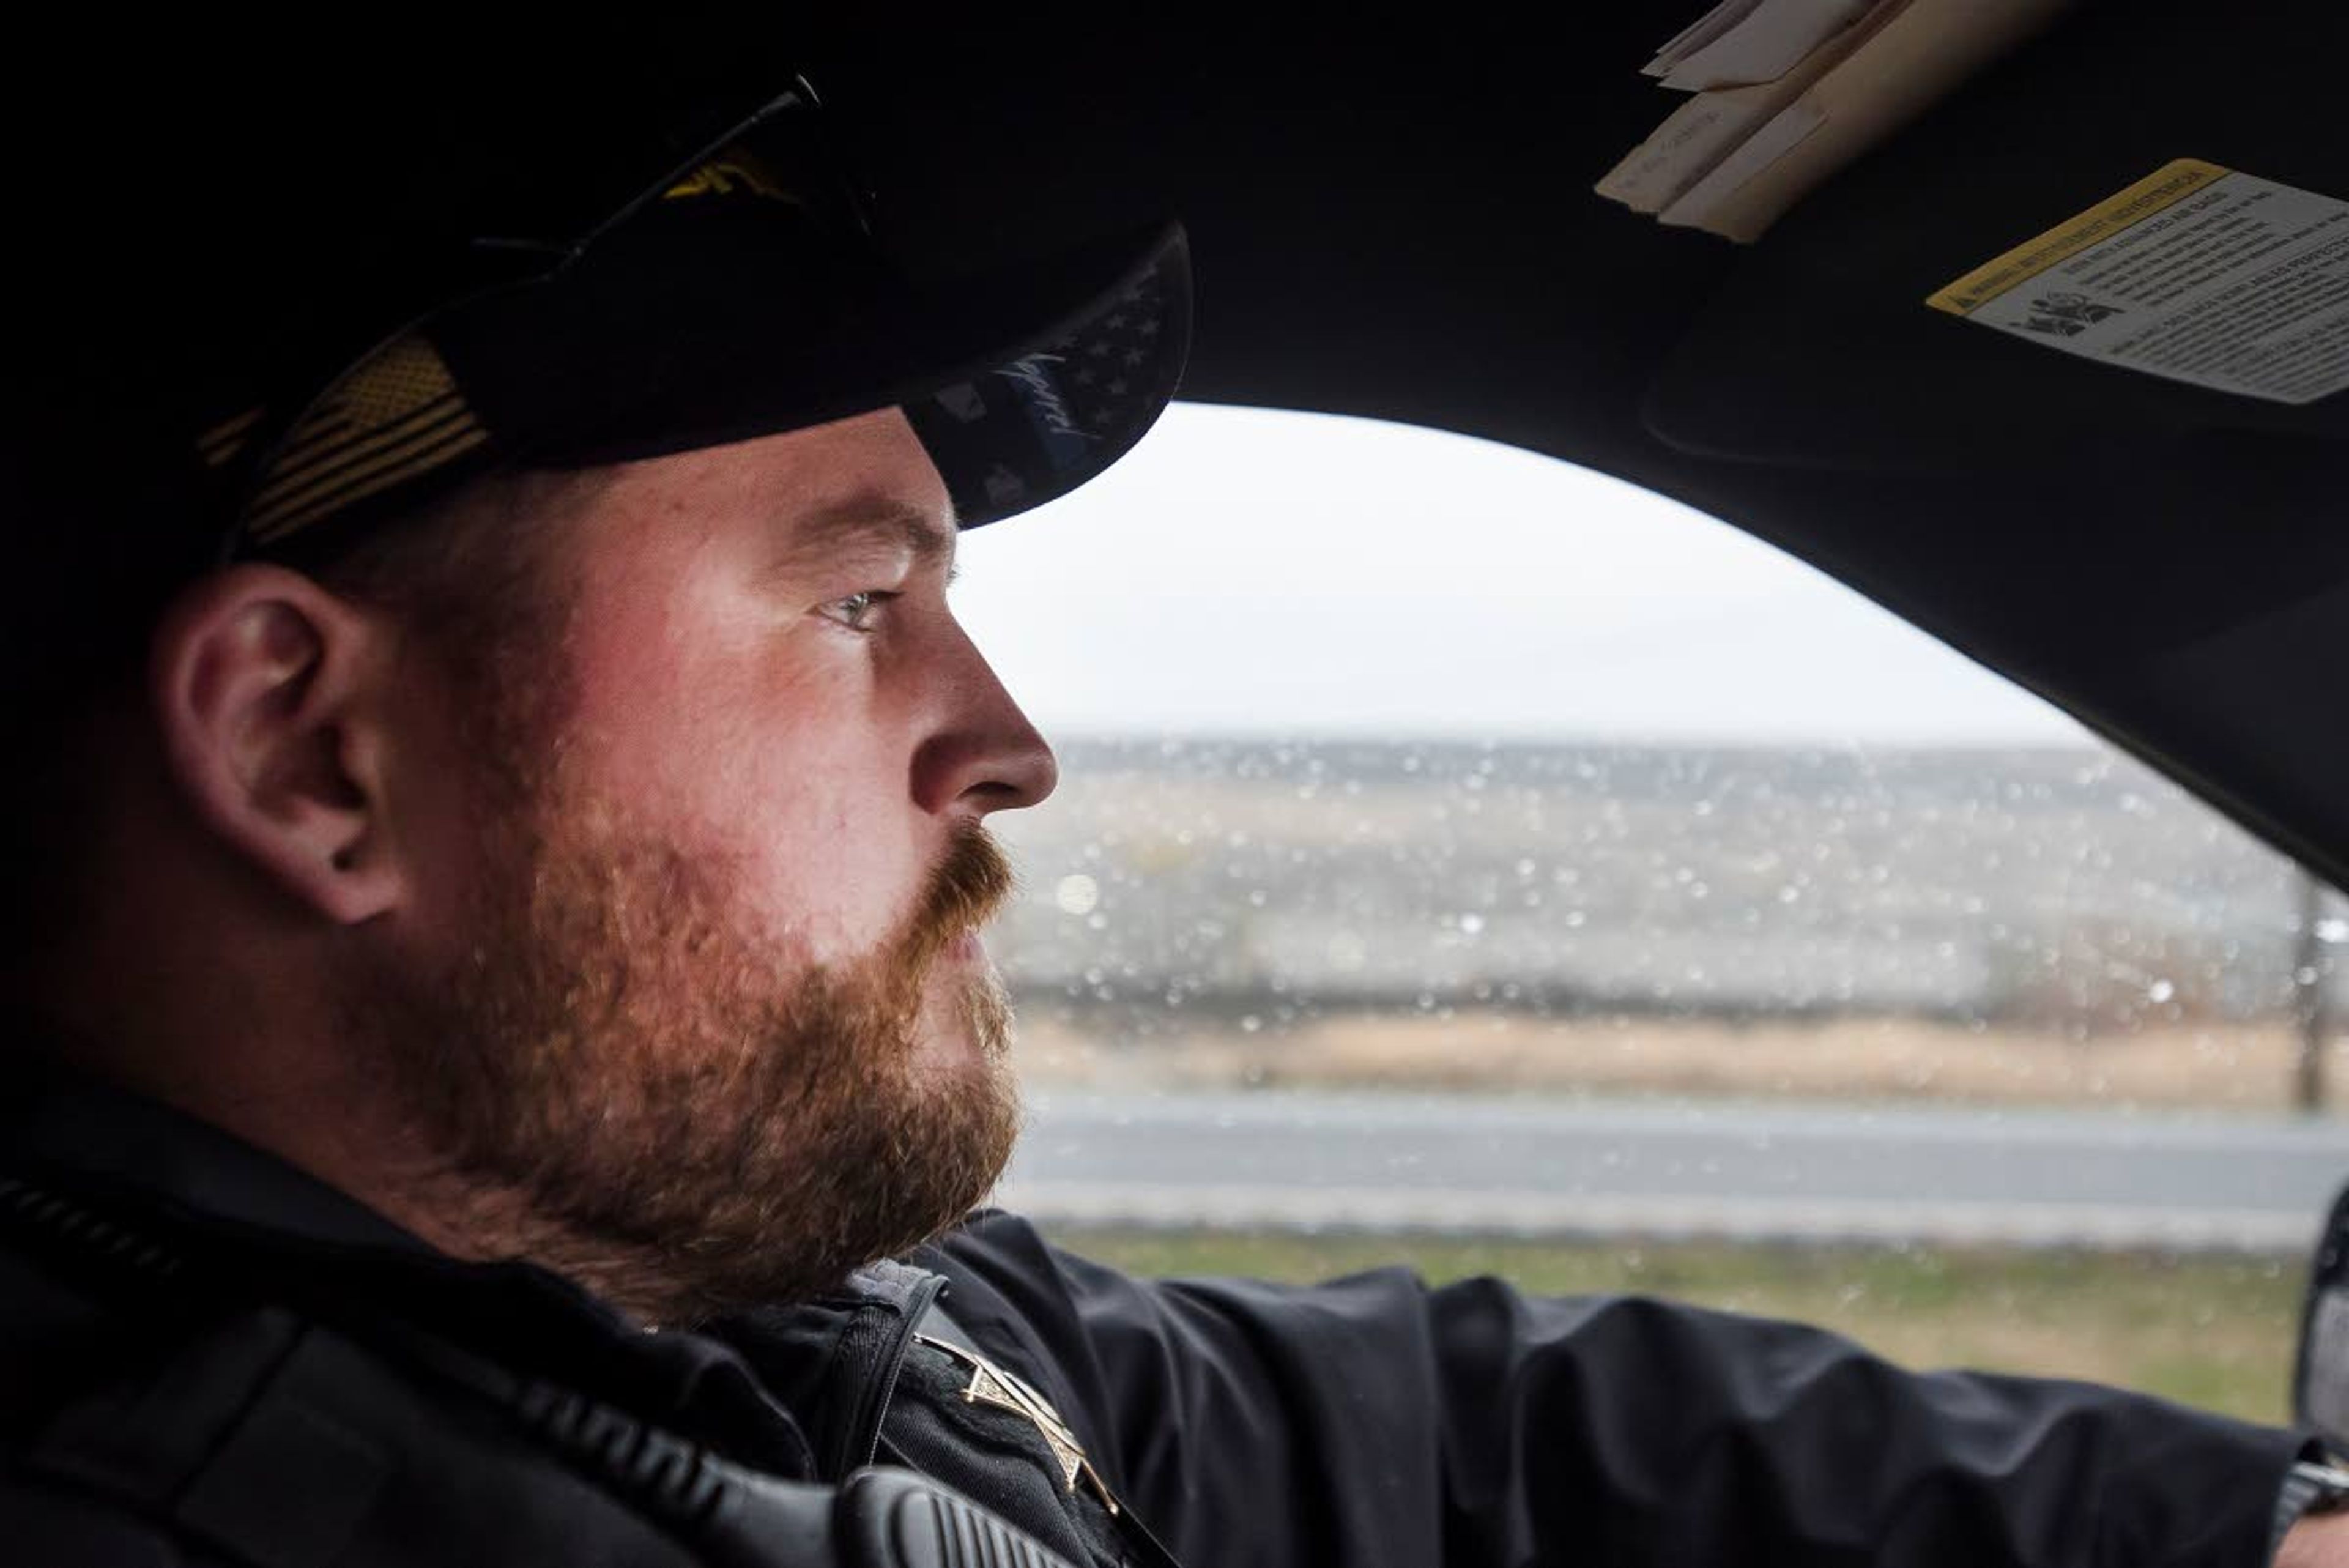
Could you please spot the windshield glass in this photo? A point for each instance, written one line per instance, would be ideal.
(1454, 844)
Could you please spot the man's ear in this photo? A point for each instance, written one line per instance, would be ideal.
(261, 686)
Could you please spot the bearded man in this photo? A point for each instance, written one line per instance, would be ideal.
(507, 1053)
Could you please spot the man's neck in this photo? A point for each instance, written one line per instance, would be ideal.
(344, 1131)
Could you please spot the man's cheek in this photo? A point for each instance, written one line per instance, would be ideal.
(835, 884)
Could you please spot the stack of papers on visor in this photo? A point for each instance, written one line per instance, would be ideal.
(1783, 93)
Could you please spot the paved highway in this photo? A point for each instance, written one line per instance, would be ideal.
(1678, 1169)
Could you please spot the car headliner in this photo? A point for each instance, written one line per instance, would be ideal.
(1399, 223)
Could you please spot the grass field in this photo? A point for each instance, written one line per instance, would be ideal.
(2216, 1332)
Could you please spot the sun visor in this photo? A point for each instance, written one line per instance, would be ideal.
(2138, 226)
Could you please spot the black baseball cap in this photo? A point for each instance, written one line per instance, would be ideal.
(738, 293)
(258, 349)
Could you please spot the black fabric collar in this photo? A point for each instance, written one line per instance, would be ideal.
(63, 1124)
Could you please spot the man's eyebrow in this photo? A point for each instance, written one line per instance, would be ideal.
(870, 520)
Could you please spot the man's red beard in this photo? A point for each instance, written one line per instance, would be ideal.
(686, 1116)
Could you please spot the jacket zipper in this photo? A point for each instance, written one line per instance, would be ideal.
(863, 1434)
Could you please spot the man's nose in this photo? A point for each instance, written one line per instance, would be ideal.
(985, 755)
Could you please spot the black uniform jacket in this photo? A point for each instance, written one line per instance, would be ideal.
(207, 1357)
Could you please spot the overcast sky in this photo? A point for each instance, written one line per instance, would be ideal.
(1254, 571)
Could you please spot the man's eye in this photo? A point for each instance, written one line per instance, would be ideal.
(858, 611)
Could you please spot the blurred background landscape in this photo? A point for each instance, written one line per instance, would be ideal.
(2051, 927)
(2054, 925)
(1466, 860)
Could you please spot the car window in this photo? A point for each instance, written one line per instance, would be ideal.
(1466, 857)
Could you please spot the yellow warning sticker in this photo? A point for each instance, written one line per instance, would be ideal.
(2196, 273)
(2026, 260)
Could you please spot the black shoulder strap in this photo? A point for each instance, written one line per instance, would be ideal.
(278, 1440)
(280, 1444)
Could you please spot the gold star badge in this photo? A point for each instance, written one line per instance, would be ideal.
(990, 1385)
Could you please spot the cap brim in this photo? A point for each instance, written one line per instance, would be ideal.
(1022, 383)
